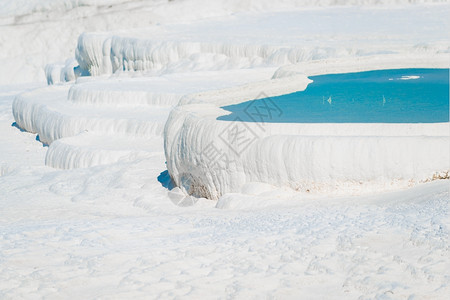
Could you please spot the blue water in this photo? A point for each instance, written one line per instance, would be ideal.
(387, 96)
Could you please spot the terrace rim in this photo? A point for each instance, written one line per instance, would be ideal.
(346, 158)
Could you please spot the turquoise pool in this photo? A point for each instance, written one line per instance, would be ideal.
(386, 96)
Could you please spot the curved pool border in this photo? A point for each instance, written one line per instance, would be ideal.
(345, 158)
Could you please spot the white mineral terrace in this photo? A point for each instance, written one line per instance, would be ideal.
(205, 70)
(207, 157)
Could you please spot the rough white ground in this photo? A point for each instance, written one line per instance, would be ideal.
(109, 225)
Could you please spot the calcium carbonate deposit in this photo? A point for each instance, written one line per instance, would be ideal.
(126, 174)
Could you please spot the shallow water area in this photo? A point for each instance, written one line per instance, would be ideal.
(386, 96)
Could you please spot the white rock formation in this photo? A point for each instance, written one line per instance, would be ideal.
(207, 157)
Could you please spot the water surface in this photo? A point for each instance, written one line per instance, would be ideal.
(386, 96)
